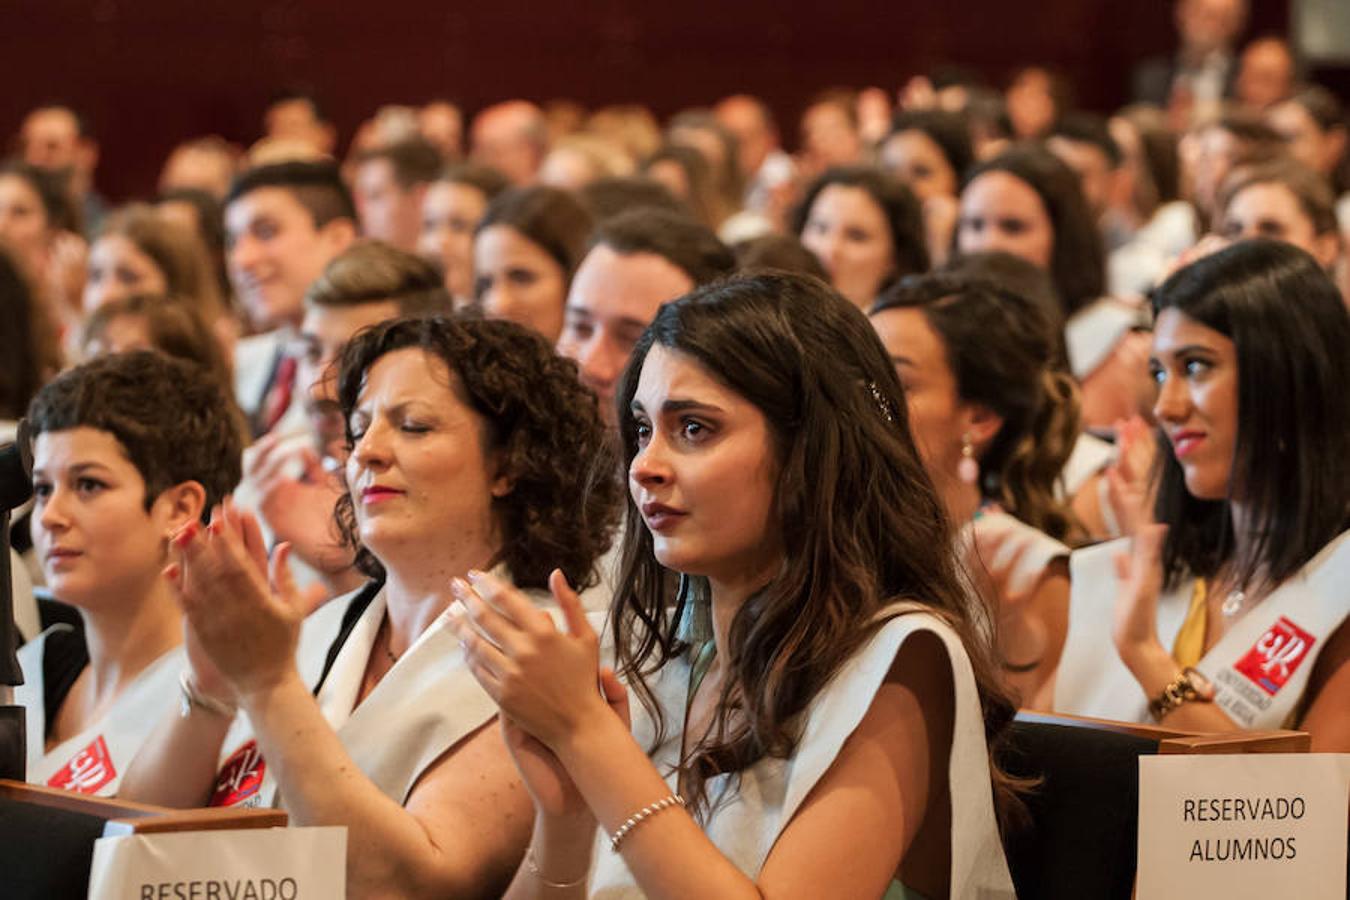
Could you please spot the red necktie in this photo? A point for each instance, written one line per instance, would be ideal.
(278, 397)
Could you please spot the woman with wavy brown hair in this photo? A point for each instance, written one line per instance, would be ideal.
(996, 423)
(817, 694)
(139, 251)
(472, 446)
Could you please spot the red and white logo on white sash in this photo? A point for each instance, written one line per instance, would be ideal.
(1276, 655)
(87, 771)
(240, 777)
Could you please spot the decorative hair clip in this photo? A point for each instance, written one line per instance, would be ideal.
(884, 405)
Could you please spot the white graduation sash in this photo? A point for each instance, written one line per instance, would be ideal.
(94, 761)
(1090, 455)
(242, 778)
(1039, 549)
(423, 706)
(1259, 668)
(745, 825)
(1092, 333)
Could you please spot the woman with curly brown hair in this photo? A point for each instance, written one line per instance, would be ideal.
(472, 446)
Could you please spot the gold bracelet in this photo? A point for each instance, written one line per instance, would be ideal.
(1191, 686)
(556, 885)
(638, 817)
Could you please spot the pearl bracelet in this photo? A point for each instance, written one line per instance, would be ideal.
(637, 818)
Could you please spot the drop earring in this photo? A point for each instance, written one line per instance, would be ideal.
(968, 469)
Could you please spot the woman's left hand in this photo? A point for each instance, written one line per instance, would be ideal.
(544, 679)
(245, 622)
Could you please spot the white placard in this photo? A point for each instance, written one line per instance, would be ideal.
(242, 864)
(1243, 825)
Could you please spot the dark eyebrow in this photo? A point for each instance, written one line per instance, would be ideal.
(1193, 348)
(677, 405)
(78, 468)
(902, 360)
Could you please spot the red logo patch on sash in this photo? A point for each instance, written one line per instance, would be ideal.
(1276, 655)
(87, 771)
(240, 777)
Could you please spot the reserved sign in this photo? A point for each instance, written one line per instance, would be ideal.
(1243, 825)
(244, 864)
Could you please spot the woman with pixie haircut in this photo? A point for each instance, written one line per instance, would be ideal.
(127, 450)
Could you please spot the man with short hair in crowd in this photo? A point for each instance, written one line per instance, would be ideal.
(511, 137)
(289, 474)
(284, 222)
(766, 168)
(1202, 72)
(58, 139)
(1084, 143)
(638, 260)
(390, 185)
(297, 115)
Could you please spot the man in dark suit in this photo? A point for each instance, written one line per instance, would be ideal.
(1202, 71)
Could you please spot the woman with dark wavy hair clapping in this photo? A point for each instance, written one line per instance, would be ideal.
(816, 697)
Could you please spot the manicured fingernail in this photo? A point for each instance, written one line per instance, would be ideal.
(185, 535)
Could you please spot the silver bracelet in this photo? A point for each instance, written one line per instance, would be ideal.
(557, 885)
(637, 818)
(192, 697)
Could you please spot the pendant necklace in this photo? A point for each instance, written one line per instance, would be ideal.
(1233, 603)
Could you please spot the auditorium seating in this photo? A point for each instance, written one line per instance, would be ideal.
(47, 836)
(1084, 813)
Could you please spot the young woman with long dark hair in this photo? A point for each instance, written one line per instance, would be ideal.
(817, 690)
(1230, 612)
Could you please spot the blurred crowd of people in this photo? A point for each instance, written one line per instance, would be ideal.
(1096, 326)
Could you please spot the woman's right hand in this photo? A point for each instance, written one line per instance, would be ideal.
(243, 625)
(1127, 479)
(545, 777)
(1140, 575)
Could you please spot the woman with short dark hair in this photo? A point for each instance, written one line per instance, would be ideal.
(127, 450)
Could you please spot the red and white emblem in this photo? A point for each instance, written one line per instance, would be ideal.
(87, 771)
(1276, 655)
(240, 777)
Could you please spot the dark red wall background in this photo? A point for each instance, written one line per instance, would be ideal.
(152, 72)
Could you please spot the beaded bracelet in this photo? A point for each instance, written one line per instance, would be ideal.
(636, 818)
